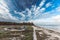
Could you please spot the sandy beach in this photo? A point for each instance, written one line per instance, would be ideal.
(46, 34)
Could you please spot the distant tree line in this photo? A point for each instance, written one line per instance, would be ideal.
(13, 23)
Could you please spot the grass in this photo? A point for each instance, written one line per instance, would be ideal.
(28, 33)
(28, 36)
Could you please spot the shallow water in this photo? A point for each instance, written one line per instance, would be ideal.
(53, 27)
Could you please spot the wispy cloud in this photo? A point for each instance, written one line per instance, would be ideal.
(5, 15)
(35, 12)
(48, 4)
(52, 19)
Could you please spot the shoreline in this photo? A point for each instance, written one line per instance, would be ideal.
(46, 34)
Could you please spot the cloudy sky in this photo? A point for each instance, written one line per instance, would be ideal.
(30, 10)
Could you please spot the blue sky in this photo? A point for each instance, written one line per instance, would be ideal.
(30, 10)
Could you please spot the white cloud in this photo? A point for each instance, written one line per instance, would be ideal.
(42, 3)
(58, 9)
(55, 20)
(4, 13)
(20, 13)
(48, 4)
(29, 12)
(39, 9)
(51, 17)
(36, 11)
(42, 9)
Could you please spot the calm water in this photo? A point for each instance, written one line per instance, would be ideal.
(53, 27)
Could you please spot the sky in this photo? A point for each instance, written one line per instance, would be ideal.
(36, 11)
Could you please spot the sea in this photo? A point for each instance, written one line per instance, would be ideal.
(51, 27)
